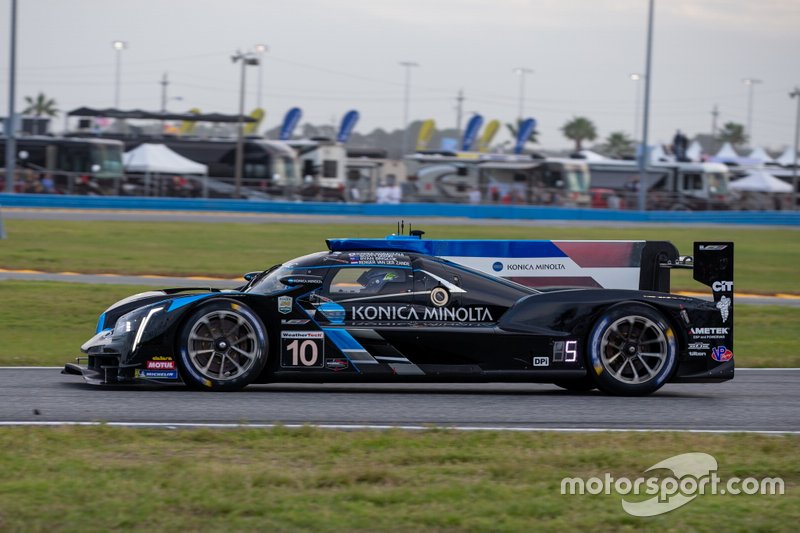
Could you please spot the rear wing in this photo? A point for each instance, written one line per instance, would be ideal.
(642, 265)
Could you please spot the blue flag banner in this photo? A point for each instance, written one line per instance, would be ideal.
(290, 123)
(348, 123)
(471, 132)
(526, 127)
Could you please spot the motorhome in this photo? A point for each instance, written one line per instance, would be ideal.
(498, 178)
(323, 167)
(670, 186)
(69, 165)
(368, 169)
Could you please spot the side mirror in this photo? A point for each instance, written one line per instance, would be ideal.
(251, 275)
(302, 280)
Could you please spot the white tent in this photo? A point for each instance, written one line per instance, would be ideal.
(695, 151)
(761, 155)
(786, 159)
(727, 153)
(657, 154)
(158, 159)
(760, 181)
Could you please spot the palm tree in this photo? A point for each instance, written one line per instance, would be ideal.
(619, 145)
(579, 129)
(41, 105)
(533, 138)
(733, 133)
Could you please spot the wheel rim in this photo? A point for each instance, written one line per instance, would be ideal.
(634, 349)
(222, 345)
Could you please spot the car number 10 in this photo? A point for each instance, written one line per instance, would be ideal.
(302, 349)
(304, 353)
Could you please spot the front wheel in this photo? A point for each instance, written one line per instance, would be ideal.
(632, 350)
(222, 347)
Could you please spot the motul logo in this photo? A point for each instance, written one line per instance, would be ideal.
(161, 365)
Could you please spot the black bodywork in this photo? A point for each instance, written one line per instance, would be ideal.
(398, 315)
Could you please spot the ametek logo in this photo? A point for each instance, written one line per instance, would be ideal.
(691, 475)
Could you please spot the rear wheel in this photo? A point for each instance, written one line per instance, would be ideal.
(222, 346)
(632, 351)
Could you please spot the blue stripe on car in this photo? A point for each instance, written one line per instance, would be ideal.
(186, 300)
(344, 341)
(100, 324)
(455, 248)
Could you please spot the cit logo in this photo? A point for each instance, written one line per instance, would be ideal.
(722, 286)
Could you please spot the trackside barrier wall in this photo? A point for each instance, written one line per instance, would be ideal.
(508, 212)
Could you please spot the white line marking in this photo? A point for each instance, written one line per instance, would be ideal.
(351, 427)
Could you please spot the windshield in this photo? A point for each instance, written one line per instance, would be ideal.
(285, 168)
(717, 183)
(268, 282)
(577, 179)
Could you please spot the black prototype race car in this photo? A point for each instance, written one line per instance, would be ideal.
(396, 310)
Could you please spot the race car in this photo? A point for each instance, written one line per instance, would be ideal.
(405, 309)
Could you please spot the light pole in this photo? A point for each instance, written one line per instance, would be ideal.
(119, 46)
(260, 49)
(750, 82)
(11, 157)
(636, 77)
(796, 94)
(408, 66)
(644, 155)
(521, 72)
(246, 59)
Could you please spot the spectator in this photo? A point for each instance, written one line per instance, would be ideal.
(474, 195)
(679, 144)
(382, 194)
(48, 185)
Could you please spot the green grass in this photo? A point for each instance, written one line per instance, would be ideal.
(44, 323)
(101, 479)
(766, 259)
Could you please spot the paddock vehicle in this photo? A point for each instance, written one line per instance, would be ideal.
(407, 309)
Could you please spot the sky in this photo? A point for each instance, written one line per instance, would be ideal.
(330, 56)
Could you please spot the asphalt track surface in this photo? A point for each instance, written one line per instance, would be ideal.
(757, 400)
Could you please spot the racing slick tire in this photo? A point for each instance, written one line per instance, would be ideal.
(222, 346)
(584, 384)
(631, 351)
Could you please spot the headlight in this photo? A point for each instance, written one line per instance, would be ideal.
(135, 321)
(129, 322)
